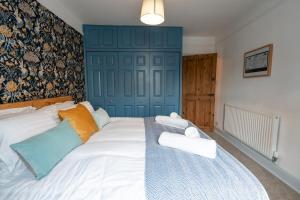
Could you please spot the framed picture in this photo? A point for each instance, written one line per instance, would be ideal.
(258, 62)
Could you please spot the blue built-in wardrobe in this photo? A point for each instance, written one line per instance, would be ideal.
(133, 71)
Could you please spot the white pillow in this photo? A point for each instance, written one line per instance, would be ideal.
(64, 105)
(59, 106)
(103, 117)
(88, 106)
(6, 113)
(15, 114)
(16, 110)
(53, 109)
(19, 128)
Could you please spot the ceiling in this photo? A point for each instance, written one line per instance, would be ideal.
(198, 17)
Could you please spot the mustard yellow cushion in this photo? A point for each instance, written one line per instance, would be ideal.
(81, 120)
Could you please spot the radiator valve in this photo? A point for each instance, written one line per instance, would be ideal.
(275, 157)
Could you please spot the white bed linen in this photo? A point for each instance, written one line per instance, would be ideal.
(110, 166)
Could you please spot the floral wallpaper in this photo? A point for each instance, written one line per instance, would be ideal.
(40, 55)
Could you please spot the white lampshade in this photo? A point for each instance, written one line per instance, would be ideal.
(152, 12)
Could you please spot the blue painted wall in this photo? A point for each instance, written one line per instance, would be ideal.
(133, 71)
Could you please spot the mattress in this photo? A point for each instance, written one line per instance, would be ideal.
(110, 166)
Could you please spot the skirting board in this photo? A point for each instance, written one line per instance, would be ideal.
(261, 160)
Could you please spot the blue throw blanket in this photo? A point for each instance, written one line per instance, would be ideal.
(172, 174)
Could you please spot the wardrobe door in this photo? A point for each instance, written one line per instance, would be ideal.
(95, 80)
(125, 37)
(157, 84)
(111, 83)
(141, 73)
(92, 37)
(173, 37)
(126, 85)
(133, 37)
(157, 38)
(108, 36)
(171, 83)
(140, 37)
(100, 37)
(165, 38)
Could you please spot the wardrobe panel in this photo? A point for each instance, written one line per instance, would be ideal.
(133, 71)
(141, 83)
(92, 38)
(165, 38)
(141, 110)
(111, 85)
(140, 37)
(157, 84)
(128, 111)
(125, 37)
(111, 110)
(173, 38)
(98, 76)
(96, 37)
(111, 82)
(141, 70)
(95, 72)
(172, 82)
(126, 84)
(109, 37)
(157, 38)
(133, 37)
(157, 110)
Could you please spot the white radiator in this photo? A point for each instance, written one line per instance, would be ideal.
(258, 131)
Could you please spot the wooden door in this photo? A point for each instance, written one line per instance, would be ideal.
(198, 89)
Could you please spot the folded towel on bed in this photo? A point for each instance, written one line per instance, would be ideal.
(177, 123)
(192, 132)
(174, 115)
(199, 146)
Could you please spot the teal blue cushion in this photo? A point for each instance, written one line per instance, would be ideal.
(42, 152)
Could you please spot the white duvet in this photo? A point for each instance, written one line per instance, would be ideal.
(110, 166)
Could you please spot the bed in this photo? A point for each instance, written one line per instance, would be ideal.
(111, 166)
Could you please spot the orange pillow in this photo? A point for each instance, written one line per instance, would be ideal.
(81, 120)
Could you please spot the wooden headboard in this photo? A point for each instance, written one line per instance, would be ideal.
(39, 103)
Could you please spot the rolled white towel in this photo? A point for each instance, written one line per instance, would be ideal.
(192, 132)
(174, 115)
(177, 123)
(199, 146)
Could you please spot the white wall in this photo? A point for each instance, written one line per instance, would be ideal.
(198, 45)
(279, 93)
(63, 12)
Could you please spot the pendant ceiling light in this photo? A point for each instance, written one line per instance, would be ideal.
(152, 12)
